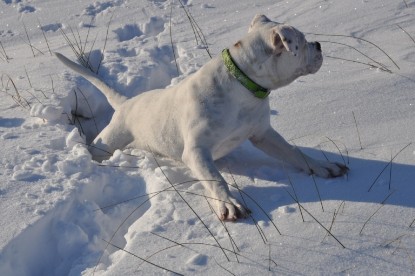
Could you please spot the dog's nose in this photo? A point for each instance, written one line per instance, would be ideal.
(318, 46)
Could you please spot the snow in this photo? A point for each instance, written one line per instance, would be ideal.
(63, 214)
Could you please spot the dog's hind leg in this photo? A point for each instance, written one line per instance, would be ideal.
(200, 162)
(109, 140)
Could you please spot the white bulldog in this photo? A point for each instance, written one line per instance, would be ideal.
(216, 109)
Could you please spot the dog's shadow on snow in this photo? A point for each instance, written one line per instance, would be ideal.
(367, 181)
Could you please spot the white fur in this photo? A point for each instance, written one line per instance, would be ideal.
(210, 113)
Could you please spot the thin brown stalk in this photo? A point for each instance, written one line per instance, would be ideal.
(364, 63)
(361, 39)
(270, 260)
(53, 87)
(336, 212)
(314, 181)
(6, 57)
(28, 38)
(183, 244)
(295, 193)
(44, 36)
(187, 203)
(196, 29)
(357, 129)
(232, 241)
(138, 257)
(413, 40)
(406, 4)
(27, 76)
(90, 110)
(390, 172)
(376, 179)
(338, 149)
(394, 240)
(223, 267)
(77, 49)
(18, 98)
(171, 38)
(168, 189)
(259, 206)
(377, 210)
(260, 231)
(360, 52)
(119, 227)
(105, 44)
(327, 230)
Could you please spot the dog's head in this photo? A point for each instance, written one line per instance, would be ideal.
(276, 54)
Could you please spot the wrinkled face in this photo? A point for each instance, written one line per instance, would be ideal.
(286, 53)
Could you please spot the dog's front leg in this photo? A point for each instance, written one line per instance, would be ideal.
(200, 162)
(275, 145)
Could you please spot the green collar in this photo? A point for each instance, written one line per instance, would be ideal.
(256, 89)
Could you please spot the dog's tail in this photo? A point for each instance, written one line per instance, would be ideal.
(114, 98)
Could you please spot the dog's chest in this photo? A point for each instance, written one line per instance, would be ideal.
(242, 124)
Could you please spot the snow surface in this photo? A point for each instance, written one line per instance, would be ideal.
(59, 209)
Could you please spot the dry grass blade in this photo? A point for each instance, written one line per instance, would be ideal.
(27, 76)
(75, 115)
(390, 173)
(376, 179)
(119, 227)
(77, 49)
(327, 230)
(295, 193)
(4, 54)
(413, 40)
(171, 38)
(232, 241)
(412, 223)
(44, 36)
(28, 38)
(223, 267)
(406, 4)
(361, 39)
(364, 63)
(138, 257)
(260, 231)
(336, 212)
(259, 206)
(187, 203)
(357, 129)
(105, 44)
(377, 210)
(168, 189)
(338, 149)
(314, 181)
(196, 29)
(360, 52)
(53, 87)
(205, 244)
(17, 98)
(90, 110)
(394, 240)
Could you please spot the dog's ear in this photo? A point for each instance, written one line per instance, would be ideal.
(284, 39)
(258, 19)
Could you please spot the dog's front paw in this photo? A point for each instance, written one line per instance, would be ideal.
(230, 209)
(327, 169)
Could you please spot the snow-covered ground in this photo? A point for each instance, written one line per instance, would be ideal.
(63, 214)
